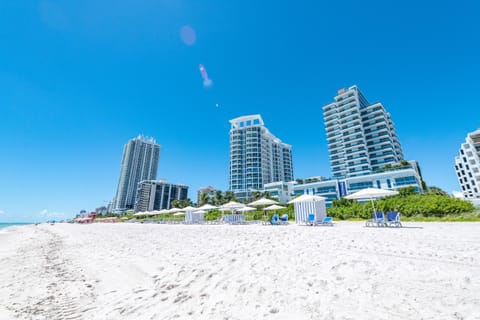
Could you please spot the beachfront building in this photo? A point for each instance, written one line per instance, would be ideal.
(139, 162)
(257, 157)
(331, 189)
(209, 191)
(361, 136)
(280, 191)
(467, 166)
(158, 194)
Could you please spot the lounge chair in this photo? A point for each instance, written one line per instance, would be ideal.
(284, 219)
(327, 221)
(378, 220)
(393, 219)
(274, 220)
(311, 219)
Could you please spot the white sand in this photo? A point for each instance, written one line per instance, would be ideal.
(132, 271)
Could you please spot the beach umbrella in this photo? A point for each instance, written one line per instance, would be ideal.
(263, 202)
(207, 207)
(141, 213)
(274, 207)
(179, 213)
(155, 212)
(173, 210)
(245, 209)
(232, 206)
(189, 208)
(371, 194)
(164, 211)
(200, 211)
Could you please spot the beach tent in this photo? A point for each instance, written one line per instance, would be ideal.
(193, 215)
(371, 194)
(307, 204)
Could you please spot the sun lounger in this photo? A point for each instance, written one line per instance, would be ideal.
(378, 220)
(327, 221)
(393, 219)
(311, 219)
(274, 220)
(284, 219)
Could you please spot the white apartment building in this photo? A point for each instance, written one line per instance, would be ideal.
(257, 157)
(361, 136)
(467, 166)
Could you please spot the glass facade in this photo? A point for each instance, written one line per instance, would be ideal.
(139, 162)
(361, 136)
(257, 157)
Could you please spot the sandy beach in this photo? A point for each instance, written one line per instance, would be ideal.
(134, 271)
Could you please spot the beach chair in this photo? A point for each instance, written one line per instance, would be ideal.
(274, 220)
(327, 221)
(378, 220)
(310, 219)
(284, 219)
(393, 219)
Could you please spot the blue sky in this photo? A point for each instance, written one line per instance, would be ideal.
(78, 79)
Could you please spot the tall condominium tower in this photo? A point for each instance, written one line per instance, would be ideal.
(361, 136)
(257, 157)
(139, 162)
(467, 165)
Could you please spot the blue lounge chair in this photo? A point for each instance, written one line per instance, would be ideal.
(274, 219)
(378, 220)
(284, 219)
(311, 219)
(327, 221)
(393, 219)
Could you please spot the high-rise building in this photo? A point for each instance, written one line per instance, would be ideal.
(467, 166)
(257, 157)
(139, 162)
(158, 195)
(361, 136)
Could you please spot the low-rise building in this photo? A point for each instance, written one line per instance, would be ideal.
(158, 195)
(209, 190)
(389, 179)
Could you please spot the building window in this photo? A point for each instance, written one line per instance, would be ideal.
(389, 184)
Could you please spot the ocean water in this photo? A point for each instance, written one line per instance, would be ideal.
(5, 225)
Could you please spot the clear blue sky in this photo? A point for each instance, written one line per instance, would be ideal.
(78, 79)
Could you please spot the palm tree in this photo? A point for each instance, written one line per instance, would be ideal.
(256, 195)
(204, 199)
(218, 198)
(229, 196)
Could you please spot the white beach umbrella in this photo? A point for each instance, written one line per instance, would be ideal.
(232, 205)
(173, 210)
(371, 194)
(200, 211)
(141, 213)
(263, 202)
(179, 213)
(207, 207)
(189, 208)
(245, 209)
(274, 207)
(164, 211)
(155, 212)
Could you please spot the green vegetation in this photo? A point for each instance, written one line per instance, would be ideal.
(431, 206)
